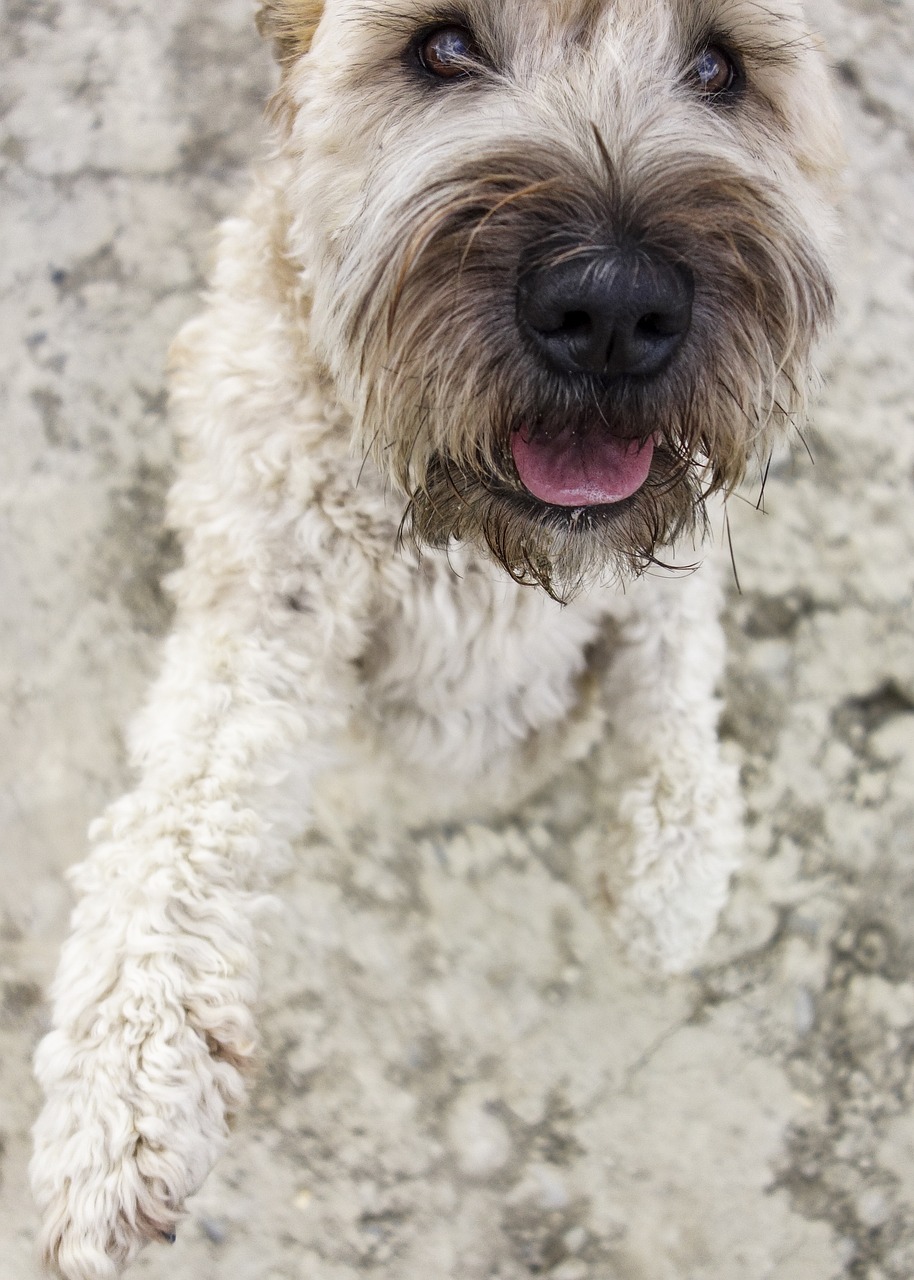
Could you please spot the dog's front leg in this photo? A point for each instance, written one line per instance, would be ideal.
(152, 1020)
(682, 808)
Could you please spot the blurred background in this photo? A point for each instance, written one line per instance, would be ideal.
(462, 1079)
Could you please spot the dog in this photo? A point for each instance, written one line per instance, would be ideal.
(523, 292)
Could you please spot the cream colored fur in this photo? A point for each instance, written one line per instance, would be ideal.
(315, 661)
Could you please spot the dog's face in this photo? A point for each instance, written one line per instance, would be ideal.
(568, 257)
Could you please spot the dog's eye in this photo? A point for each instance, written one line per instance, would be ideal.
(448, 52)
(715, 71)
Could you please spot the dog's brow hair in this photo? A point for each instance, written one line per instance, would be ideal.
(408, 19)
(748, 28)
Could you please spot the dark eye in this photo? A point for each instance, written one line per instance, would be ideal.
(715, 71)
(448, 52)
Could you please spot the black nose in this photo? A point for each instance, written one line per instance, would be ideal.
(609, 312)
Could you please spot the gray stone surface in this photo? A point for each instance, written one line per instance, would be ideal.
(461, 1078)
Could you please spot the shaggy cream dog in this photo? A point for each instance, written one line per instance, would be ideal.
(525, 283)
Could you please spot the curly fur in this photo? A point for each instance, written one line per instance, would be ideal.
(354, 614)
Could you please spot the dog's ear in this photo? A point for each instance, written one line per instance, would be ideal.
(290, 24)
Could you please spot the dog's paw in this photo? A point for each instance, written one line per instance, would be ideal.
(136, 1116)
(686, 844)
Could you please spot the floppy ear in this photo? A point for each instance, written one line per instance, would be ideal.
(290, 24)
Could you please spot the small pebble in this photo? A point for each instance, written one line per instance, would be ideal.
(213, 1229)
(575, 1239)
(804, 1011)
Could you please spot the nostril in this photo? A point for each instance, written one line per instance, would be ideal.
(662, 324)
(653, 325)
(570, 324)
(574, 322)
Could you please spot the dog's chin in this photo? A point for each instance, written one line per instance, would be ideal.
(562, 513)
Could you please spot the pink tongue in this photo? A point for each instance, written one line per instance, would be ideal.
(575, 471)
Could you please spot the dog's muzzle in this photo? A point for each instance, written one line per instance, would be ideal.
(597, 315)
(605, 315)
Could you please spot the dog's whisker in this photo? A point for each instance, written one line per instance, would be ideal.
(805, 443)
(759, 506)
(732, 552)
(365, 455)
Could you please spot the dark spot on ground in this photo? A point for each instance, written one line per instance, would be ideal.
(847, 73)
(50, 406)
(102, 266)
(45, 12)
(871, 950)
(214, 1229)
(753, 713)
(13, 149)
(10, 931)
(861, 1071)
(299, 603)
(538, 1237)
(19, 998)
(764, 617)
(220, 91)
(856, 718)
(800, 822)
(140, 550)
(885, 895)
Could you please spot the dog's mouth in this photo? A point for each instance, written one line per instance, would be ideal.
(580, 468)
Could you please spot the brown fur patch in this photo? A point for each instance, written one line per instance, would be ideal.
(291, 25)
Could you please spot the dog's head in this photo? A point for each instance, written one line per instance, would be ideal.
(568, 257)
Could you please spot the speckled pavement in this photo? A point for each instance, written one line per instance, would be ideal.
(462, 1079)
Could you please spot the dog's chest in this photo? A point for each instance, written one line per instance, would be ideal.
(463, 666)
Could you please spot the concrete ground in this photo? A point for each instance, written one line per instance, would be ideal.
(462, 1079)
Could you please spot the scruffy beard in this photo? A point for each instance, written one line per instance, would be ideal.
(558, 548)
(561, 549)
(446, 378)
